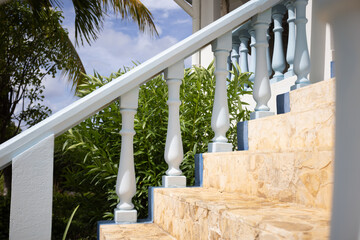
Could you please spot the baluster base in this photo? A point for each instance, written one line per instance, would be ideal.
(299, 85)
(173, 181)
(276, 79)
(260, 114)
(289, 73)
(219, 147)
(125, 216)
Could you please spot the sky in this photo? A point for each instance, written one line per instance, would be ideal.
(119, 43)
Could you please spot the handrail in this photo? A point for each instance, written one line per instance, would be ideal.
(90, 104)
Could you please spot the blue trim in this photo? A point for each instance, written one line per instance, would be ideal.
(283, 103)
(332, 69)
(199, 170)
(242, 136)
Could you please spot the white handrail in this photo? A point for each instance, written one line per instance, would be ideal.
(90, 104)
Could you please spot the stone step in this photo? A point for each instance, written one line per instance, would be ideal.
(133, 231)
(302, 177)
(203, 213)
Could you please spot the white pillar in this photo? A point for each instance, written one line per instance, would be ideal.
(302, 58)
(262, 91)
(126, 183)
(220, 122)
(32, 192)
(290, 53)
(253, 53)
(278, 61)
(244, 41)
(344, 17)
(174, 148)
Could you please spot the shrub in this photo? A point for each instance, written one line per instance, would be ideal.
(89, 162)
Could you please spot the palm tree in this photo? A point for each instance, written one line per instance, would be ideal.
(89, 19)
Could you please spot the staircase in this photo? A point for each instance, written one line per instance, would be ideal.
(280, 188)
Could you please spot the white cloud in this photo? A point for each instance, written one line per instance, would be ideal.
(160, 4)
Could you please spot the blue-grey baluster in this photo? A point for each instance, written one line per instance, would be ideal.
(302, 58)
(262, 91)
(290, 53)
(278, 60)
(235, 51)
(253, 53)
(229, 66)
(268, 58)
(244, 41)
(220, 121)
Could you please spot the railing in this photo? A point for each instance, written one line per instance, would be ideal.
(31, 152)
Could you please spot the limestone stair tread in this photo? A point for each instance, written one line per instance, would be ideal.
(205, 213)
(133, 232)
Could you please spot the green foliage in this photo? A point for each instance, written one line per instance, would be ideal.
(89, 162)
(30, 50)
(69, 222)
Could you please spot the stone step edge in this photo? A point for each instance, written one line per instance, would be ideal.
(231, 212)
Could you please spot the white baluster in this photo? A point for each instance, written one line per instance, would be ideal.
(126, 183)
(262, 91)
(244, 41)
(302, 58)
(278, 61)
(235, 52)
(220, 122)
(253, 53)
(268, 58)
(290, 53)
(173, 148)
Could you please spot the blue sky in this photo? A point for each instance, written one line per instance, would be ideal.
(119, 44)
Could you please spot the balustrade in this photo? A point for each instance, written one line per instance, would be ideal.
(253, 53)
(174, 152)
(290, 53)
(126, 183)
(244, 41)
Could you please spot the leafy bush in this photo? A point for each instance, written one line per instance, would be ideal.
(89, 162)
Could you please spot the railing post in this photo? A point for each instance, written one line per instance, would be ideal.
(253, 53)
(244, 41)
(262, 91)
(290, 53)
(220, 122)
(126, 183)
(278, 61)
(32, 192)
(302, 58)
(174, 148)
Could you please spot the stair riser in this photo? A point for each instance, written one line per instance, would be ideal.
(301, 177)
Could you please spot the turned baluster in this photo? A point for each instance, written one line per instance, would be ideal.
(244, 41)
(268, 58)
(253, 53)
(302, 58)
(262, 91)
(235, 53)
(126, 183)
(290, 53)
(173, 148)
(220, 116)
(278, 60)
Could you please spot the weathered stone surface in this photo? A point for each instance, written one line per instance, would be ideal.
(199, 213)
(299, 177)
(133, 231)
